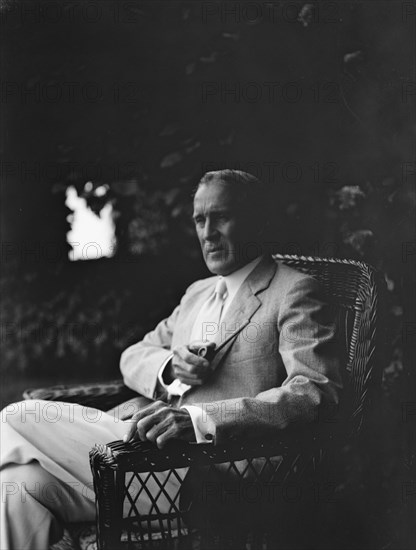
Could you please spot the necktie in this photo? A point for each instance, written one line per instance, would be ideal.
(206, 325)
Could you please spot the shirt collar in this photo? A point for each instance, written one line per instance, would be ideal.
(235, 280)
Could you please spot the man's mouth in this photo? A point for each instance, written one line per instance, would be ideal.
(212, 250)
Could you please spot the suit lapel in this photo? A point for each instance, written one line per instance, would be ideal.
(243, 307)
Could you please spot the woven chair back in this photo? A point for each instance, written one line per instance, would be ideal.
(354, 290)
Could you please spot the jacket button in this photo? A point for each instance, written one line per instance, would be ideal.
(209, 437)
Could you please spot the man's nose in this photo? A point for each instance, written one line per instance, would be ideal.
(210, 230)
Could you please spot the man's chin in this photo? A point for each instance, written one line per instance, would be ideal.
(218, 266)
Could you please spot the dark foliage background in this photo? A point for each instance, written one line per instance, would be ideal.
(322, 109)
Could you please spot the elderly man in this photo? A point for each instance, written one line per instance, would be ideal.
(271, 362)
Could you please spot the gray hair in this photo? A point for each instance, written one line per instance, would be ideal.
(250, 192)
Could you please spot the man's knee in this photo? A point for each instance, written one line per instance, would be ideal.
(9, 485)
(25, 483)
(27, 509)
(20, 483)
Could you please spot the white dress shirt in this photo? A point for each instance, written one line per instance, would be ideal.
(203, 426)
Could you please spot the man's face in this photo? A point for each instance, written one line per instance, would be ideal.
(223, 229)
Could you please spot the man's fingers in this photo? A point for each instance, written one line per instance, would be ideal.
(139, 428)
(196, 345)
(184, 357)
(165, 436)
(156, 430)
(165, 424)
(146, 424)
(191, 381)
(188, 377)
(199, 374)
(149, 410)
(191, 369)
(188, 367)
(131, 432)
(140, 415)
(179, 426)
(181, 372)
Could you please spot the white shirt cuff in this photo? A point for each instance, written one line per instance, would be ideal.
(174, 388)
(203, 425)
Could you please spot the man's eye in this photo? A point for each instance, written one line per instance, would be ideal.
(198, 220)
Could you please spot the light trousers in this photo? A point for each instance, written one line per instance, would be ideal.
(45, 472)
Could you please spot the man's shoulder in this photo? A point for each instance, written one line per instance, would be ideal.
(287, 278)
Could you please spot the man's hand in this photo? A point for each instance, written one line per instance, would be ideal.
(159, 424)
(189, 367)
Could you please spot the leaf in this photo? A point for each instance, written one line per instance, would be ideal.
(353, 64)
(171, 196)
(192, 147)
(171, 159)
(353, 57)
(210, 58)
(359, 240)
(347, 197)
(306, 15)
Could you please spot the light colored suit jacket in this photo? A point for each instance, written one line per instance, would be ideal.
(278, 362)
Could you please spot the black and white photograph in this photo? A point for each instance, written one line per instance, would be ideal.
(208, 275)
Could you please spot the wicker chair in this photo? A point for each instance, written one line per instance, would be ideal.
(354, 289)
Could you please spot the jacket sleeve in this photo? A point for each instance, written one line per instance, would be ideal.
(141, 362)
(309, 350)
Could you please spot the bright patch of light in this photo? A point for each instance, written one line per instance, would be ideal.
(101, 191)
(91, 237)
(88, 187)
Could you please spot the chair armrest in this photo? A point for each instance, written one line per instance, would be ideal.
(102, 396)
(143, 456)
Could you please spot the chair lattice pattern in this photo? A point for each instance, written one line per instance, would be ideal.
(153, 487)
(265, 472)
